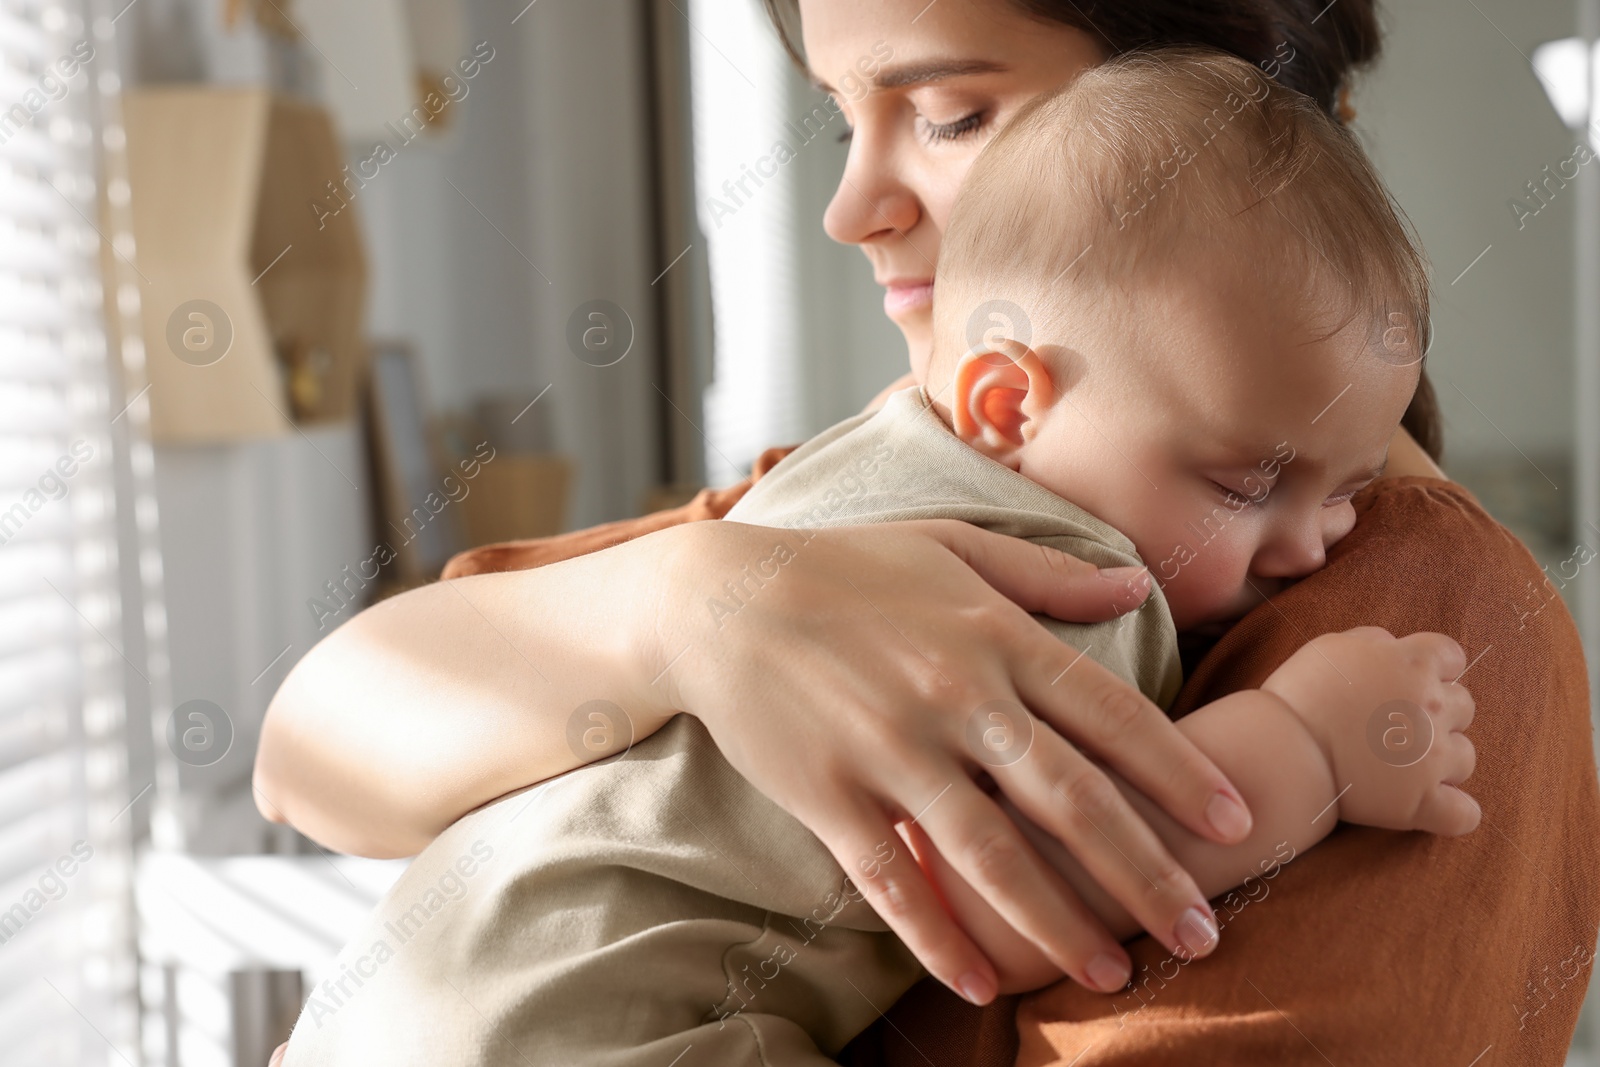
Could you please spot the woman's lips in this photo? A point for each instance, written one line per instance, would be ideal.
(902, 297)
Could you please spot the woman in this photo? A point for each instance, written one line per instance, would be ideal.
(366, 749)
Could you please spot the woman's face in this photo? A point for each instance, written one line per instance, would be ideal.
(944, 77)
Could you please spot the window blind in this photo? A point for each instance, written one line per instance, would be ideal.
(65, 964)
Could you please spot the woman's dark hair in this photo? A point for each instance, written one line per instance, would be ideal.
(1310, 46)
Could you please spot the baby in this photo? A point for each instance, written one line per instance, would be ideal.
(1224, 321)
(1212, 321)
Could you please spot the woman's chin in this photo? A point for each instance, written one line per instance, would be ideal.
(917, 328)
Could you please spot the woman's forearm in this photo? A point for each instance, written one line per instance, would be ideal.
(436, 701)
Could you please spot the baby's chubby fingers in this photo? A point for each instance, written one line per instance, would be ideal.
(1449, 812)
(1457, 709)
(1445, 808)
(1445, 652)
(1459, 758)
(1373, 632)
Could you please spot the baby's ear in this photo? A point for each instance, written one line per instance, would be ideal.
(999, 388)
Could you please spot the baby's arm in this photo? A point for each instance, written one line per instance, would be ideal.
(1298, 750)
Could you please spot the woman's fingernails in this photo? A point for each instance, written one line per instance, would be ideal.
(1107, 973)
(977, 988)
(1137, 577)
(1196, 932)
(1228, 817)
(1135, 586)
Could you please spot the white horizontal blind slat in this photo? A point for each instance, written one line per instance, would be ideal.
(62, 758)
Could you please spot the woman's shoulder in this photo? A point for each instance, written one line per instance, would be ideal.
(1420, 491)
(1434, 528)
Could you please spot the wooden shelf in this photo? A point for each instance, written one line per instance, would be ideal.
(225, 186)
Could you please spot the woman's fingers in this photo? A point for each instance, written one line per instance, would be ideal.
(1043, 580)
(1086, 702)
(1077, 803)
(1111, 720)
(881, 865)
(985, 847)
(896, 640)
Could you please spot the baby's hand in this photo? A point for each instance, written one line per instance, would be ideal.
(1389, 719)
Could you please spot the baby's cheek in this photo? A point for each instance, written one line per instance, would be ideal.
(1204, 580)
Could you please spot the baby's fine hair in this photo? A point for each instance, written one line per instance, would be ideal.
(1154, 151)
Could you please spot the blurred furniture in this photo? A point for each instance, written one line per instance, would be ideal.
(525, 489)
(230, 947)
(255, 274)
(518, 496)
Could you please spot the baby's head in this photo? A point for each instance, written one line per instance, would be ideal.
(1180, 297)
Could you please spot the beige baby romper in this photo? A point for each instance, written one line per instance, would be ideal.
(655, 909)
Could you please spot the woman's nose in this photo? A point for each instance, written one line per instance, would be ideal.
(872, 200)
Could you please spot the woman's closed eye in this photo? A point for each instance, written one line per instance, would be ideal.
(941, 132)
(936, 132)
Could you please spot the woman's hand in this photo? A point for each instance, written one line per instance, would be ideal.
(841, 678)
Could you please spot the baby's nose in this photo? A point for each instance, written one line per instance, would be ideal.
(1291, 554)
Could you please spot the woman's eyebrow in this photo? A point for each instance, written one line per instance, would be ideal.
(921, 72)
